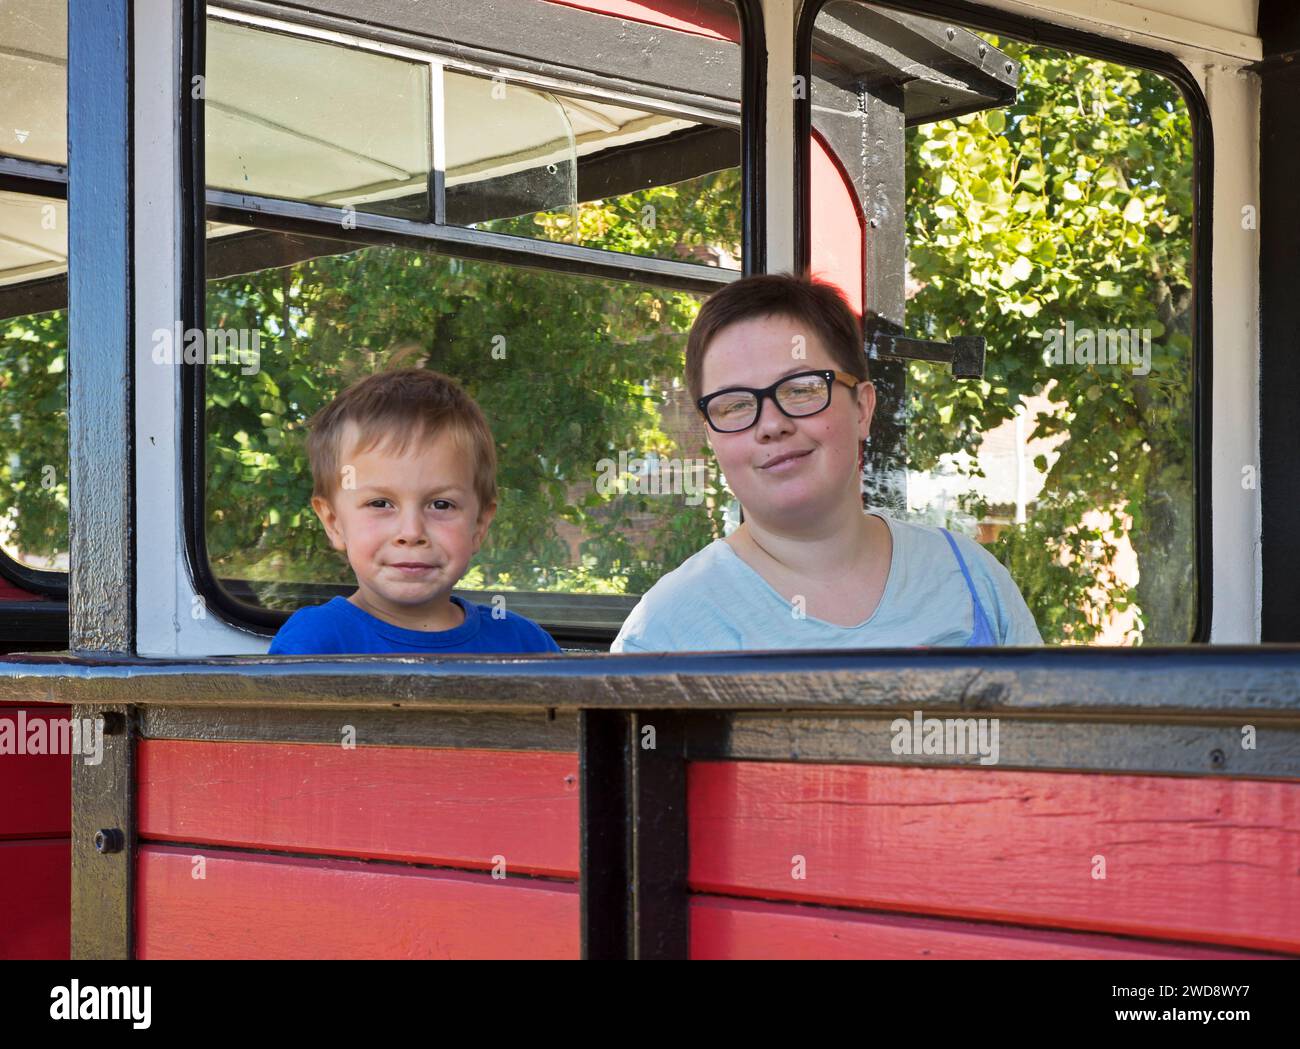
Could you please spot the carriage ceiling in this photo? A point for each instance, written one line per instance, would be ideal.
(314, 121)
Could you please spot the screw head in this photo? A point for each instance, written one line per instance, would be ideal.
(109, 840)
(984, 50)
(1218, 759)
(952, 33)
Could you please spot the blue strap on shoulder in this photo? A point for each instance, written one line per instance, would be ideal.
(983, 634)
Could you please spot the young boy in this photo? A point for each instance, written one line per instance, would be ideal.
(404, 471)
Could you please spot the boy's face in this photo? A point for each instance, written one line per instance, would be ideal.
(756, 353)
(409, 527)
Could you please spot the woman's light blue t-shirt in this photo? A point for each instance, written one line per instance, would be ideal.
(714, 601)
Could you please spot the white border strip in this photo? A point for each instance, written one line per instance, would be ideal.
(166, 602)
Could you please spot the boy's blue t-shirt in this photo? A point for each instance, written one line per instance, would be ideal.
(339, 627)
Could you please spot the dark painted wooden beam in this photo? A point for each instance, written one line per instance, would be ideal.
(100, 331)
(1158, 683)
(659, 917)
(103, 838)
(1218, 747)
(604, 755)
(1176, 746)
(864, 128)
(459, 729)
(633, 834)
(1279, 379)
(101, 582)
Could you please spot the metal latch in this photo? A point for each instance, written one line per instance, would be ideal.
(965, 353)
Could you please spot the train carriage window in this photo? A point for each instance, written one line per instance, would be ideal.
(589, 363)
(33, 384)
(569, 221)
(1040, 199)
(33, 299)
(304, 120)
(588, 171)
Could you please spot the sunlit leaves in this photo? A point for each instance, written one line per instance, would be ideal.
(1095, 162)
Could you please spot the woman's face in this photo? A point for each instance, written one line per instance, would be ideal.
(823, 474)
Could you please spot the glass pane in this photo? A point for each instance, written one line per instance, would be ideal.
(582, 171)
(304, 120)
(33, 381)
(1058, 227)
(510, 151)
(34, 79)
(618, 494)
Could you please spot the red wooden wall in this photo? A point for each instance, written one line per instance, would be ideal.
(980, 863)
(35, 847)
(314, 851)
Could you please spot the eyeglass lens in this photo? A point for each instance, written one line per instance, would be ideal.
(800, 395)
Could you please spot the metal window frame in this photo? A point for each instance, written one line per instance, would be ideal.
(323, 221)
(1039, 31)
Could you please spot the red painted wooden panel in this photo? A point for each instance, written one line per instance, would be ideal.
(457, 808)
(35, 789)
(836, 225)
(36, 895)
(251, 905)
(1186, 858)
(748, 929)
(686, 16)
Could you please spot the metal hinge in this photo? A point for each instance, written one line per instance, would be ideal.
(965, 353)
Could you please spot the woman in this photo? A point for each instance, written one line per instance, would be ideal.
(775, 364)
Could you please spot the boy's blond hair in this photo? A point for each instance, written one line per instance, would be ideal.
(393, 408)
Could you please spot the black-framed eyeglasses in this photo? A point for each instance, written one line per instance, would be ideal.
(805, 393)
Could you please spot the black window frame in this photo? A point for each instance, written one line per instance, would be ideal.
(964, 15)
(200, 205)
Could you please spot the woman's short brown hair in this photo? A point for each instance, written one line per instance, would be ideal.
(395, 408)
(818, 305)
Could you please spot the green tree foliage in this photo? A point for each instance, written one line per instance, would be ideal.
(1073, 206)
(573, 380)
(34, 425)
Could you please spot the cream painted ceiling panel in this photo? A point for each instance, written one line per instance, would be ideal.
(34, 79)
(289, 117)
